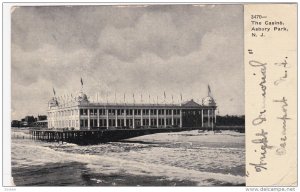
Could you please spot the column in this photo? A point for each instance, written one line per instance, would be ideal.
(133, 119)
(116, 115)
(107, 123)
(149, 117)
(215, 116)
(98, 117)
(125, 118)
(212, 119)
(78, 113)
(165, 118)
(180, 118)
(89, 118)
(142, 123)
(202, 118)
(157, 118)
(208, 118)
(172, 117)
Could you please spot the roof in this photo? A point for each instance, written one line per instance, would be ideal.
(191, 103)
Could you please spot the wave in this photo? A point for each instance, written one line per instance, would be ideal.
(31, 152)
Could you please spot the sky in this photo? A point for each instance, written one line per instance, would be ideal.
(140, 50)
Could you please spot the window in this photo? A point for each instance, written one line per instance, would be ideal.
(169, 112)
(152, 111)
(91, 123)
(147, 111)
(119, 111)
(137, 111)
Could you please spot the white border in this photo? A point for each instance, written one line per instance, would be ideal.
(6, 97)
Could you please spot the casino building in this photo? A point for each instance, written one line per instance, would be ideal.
(81, 114)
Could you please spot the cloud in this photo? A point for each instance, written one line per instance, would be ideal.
(148, 50)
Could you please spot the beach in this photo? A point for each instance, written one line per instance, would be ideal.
(186, 158)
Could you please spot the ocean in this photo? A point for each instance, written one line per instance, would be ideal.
(186, 158)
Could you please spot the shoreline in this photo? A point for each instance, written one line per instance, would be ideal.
(77, 174)
(183, 159)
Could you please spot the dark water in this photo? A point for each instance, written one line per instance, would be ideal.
(76, 174)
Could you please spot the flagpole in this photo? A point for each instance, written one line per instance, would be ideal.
(81, 84)
(133, 99)
(180, 98)
(54, 92)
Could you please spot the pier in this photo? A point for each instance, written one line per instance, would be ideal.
(87, 137)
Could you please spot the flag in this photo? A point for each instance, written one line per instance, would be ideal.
(81, 81)
(54, 91)
(209, 91)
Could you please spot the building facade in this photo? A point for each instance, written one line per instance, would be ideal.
(81, 114)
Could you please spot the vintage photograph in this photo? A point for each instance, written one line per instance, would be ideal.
(128, 95)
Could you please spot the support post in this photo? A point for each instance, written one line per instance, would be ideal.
(172, 111)
(133, 118)
(157, 118)
(125, 118)
(212, 120)
(89, 119)
(180, 111)
(215, 116)
(202, 118)
(98, 117)
(116, 115)
(78, 111)
(165, 118)
(149, 117)
(142, 123)
(107, 123)
(208, 119)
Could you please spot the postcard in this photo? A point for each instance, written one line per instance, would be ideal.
(145, 94)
